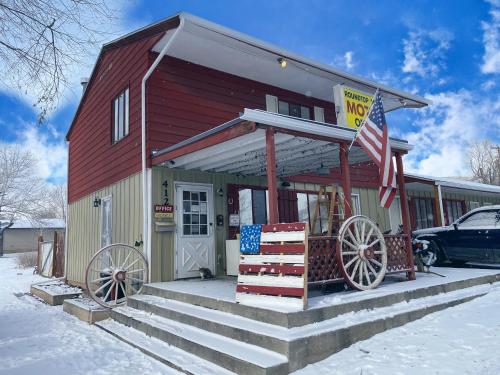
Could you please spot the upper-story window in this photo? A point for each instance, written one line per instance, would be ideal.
(295, 110)
(273, 104)
(120, 115)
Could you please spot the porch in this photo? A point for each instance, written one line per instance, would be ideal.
(261, 150)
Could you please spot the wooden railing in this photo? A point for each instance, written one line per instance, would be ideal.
(323, 265)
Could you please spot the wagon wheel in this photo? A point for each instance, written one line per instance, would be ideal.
(361, 253)
(114, 273)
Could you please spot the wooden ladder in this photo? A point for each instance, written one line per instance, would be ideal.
(330, 201)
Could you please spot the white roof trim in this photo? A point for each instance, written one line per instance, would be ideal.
(456, 183)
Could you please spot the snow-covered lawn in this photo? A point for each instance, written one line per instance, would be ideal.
(460, 340)
(39, 339)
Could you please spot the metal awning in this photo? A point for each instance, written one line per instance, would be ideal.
(205, 43)
(239, 146)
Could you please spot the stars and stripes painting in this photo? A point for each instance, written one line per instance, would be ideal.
(374, 138)
(273, 265)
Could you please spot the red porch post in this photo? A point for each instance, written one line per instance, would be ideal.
(346, 179)
(271, 176)
(404, 212)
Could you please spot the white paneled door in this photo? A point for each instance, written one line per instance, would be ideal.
(195, 245)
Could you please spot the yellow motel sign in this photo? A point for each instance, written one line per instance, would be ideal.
(351, 106)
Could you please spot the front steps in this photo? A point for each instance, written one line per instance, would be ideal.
(226, 334)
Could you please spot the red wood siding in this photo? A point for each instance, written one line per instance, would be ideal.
(362, 175)
(94, 162)
(185, 99)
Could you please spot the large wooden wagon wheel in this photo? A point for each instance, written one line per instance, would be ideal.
(361, 253)
(114, 273)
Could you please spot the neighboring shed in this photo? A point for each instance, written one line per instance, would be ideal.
(22, 235)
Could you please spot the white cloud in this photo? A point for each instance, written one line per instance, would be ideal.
(491, 40)
(345, 61)
(445, 129)
(425, 51)
(47, 146)
(349, 64)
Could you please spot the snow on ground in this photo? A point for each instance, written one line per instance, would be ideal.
(36, 338)
(464, 339)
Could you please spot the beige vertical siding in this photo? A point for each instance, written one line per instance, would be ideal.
(163, 243)
(84, 234)
(84, 219)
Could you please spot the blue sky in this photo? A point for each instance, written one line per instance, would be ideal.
(448, 51)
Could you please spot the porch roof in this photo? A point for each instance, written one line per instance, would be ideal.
(239, 146)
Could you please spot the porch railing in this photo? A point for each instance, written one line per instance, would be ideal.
(324, 268)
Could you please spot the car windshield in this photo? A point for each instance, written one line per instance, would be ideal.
(481, 219)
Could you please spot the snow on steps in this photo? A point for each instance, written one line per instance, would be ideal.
(187, 326)
(161, 351)
(229, 353)
(234, 326)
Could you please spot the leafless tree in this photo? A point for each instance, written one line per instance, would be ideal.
(22, 193)
(40, 39)
(57, 201)
(484, 161)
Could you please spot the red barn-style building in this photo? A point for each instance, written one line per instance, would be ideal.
(187, 130)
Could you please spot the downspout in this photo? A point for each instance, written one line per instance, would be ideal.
(440, 197)
(145, 211)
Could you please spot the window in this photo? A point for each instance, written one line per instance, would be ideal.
(453, 210)
(473, 205)
(120, 116)
(307, 202)
(482, 219)
(424, 214)
(395, 218)
(195, 213)
(253, 206)
(295, 110)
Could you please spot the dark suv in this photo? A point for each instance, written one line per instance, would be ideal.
(475, 237)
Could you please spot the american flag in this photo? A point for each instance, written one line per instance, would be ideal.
(374, 138)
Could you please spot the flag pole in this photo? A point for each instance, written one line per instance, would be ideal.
(364, 120)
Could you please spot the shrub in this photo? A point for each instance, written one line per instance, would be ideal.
(26, 260)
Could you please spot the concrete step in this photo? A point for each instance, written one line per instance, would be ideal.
(366, 300)
(231, 354)
(313, 343)
(222, 323)
(159, 350)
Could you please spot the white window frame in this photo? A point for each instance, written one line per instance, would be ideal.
(121, 107)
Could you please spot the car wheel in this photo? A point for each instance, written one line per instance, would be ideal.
(436, 249)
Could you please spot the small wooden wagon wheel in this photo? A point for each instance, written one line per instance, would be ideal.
(114, 273)
(361, 253)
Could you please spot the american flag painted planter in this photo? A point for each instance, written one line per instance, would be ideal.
(273, 265)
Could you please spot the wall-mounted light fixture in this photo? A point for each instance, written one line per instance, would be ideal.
(285, 184)
(220, 192)
(282, 61)
(97, 202)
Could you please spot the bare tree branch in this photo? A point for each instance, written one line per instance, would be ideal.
(40, 39)
(484, 162)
